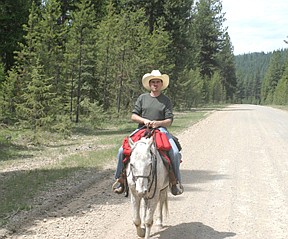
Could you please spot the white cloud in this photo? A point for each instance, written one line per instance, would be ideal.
(256, 25)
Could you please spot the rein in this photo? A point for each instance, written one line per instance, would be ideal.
(154, 173)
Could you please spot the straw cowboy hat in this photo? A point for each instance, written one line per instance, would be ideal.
(155, 74)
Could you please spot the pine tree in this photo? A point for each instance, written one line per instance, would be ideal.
(281, 90)
(104, 64)
(2, 74)
(35, 109)
(126, 50)
(53, 32)
(207, 32)
(272, 77)
(256, 86)
(177, 18)
(2, 78)
(240, 94)
(250, 70)
(81, 56)
(174, 18)
(8, 93)
(39, 49)
(18, 77)
(226, 66)
(192, 84)
(13, 14)
(216, 89)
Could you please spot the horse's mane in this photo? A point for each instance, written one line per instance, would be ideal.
(143, 140)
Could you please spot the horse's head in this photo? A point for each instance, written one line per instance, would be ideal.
(141, 165)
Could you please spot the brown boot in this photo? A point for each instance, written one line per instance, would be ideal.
(118, 187)
(172, 178)
(176, 188)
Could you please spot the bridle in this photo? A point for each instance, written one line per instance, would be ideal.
(152, 176)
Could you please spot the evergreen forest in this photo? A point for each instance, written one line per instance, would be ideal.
(70, 61)
(262, 78)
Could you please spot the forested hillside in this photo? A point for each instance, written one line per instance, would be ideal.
(251, 69)
(262, 78)
(65, 62)
(78, 60)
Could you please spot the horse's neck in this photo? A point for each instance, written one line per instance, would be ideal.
(159, 158)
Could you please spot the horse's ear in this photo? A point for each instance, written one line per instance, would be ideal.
(131, 143)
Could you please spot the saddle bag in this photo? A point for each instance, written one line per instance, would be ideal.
(162, 142)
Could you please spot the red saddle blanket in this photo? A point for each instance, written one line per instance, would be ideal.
(161, 140)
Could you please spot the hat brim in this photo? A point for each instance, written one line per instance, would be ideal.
(164, 78)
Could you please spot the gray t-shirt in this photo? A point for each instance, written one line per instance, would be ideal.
(153, 108)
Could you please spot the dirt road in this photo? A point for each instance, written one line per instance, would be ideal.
(235, 174)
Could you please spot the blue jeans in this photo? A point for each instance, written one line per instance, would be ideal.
(174, 155)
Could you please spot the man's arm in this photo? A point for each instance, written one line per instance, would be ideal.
(151, 123)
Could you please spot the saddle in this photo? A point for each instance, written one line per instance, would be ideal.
(162, 143)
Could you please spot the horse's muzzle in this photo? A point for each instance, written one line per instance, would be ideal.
(142, 186)
(142, 194)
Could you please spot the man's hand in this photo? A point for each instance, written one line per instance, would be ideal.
(152, 123)
(155, 124)
(147, 123)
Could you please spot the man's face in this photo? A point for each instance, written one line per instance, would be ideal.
(156, 84)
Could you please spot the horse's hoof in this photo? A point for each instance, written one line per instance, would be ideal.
(141, 232)
(159, 226)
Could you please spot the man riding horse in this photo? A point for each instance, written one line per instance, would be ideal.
(154, 110)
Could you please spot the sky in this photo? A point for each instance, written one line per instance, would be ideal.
(256, 25)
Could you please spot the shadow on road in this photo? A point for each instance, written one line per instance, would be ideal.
(192, 230)
(193, 179)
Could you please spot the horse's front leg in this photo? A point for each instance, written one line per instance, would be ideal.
(135, 200)
(150, 210)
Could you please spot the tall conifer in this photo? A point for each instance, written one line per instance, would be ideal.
(272, 77)
(81, 56)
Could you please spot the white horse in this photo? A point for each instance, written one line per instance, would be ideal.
(148, 181)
